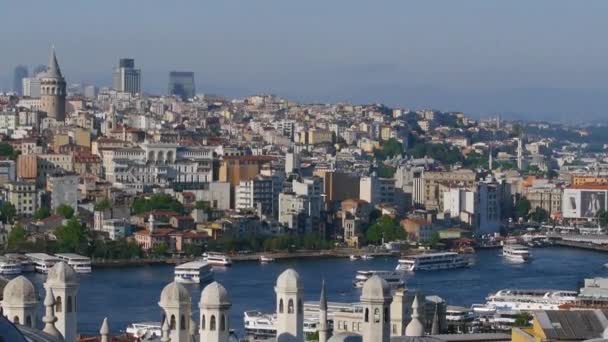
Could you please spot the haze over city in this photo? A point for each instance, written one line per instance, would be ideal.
(542, 59)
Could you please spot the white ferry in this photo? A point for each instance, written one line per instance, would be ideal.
(261, 326)
(26, 263)
(367, 257)
(9, 266)
(144, 329)
(43, 261)
(194, 272)
(217, 259)
(527, 300)
(266, 259)
(79, 263)
(394, 279)
(516, 252)
(432, 262)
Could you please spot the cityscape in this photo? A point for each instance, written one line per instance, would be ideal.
(186, 215)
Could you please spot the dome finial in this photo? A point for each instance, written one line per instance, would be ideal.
(415, 327)
(323, 300)
(105, 331)
(49, 318)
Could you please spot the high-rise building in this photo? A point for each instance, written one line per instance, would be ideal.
(90, 91)
(53, 90)
(19, 75)
(181, 83)
(126, 78)
(31, 87)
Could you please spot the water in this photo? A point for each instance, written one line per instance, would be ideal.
(131, 294)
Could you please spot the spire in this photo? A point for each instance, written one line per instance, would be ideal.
(53, 70)
(49, 318)
(323, 300)
(415, 327)
(164, 337)
(435, 326)
(105, 331)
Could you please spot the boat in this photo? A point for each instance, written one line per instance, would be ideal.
(27, 265)
(394, 279)
(9, 266)
(262, 326)
(533, 299)
(433, 262)
(354, 257)
(265, 259)
(194, 272)
(516, 252)
(79, 263)
(42, 261)
(217, 259)
(144, 329)
(367, 257)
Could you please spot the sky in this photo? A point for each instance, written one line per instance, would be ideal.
(541, 59)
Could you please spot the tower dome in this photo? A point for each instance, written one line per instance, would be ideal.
(289, 281)
(415, 327)
(375, 288)
(20, 291)
(3, 283)
(175, 294)
(61, 273)
(214, 294)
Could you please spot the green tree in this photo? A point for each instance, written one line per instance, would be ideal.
(102, 205)
(72, 237)
(602, 217)
(386, 171)
(390, 148)
(434, 239)
(539, 215)
(65, 211)
(6, 150)
(42, 213)
(522, 320)
(17, 239)
(384, 228)
(522, 208)
(160, 249)
(7, 212)
(156, 202)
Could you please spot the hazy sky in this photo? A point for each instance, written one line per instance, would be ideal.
(541, 58)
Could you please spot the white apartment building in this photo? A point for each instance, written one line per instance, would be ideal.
(376, 190)
(255, 194)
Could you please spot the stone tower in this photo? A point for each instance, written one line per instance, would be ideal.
(290, 311)
(415, 327)
(52, 90)
(399, 312)
(176, 303)
(63, 281)
(20, 301)
(214, 306)
(323, 326)
(376, 300)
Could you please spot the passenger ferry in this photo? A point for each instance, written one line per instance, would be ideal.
(217, 259)
(9, 266)
(194, 272)
(27, 265)
(144, 329)
(43, 261)
(516, 252)
(79, 263)
(393, 278)
(432, 262)
(527, 300)
(261, 326)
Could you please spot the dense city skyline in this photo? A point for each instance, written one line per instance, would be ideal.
(470, 56)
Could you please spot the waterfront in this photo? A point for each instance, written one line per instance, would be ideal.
(131, 294)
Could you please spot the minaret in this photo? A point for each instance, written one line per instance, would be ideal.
(490, 160)
(520, 154)
(323, 326)
(398, 312)
(63, 282)
(290, 311)
(214, 311)
(52, 90)
(151, 223)
(20, 302)
(176, 303)
(435, 326)
(415, 327)
(49, 318)
(104, 332)
(376, 299)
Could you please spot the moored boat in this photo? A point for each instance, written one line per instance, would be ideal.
(194, 272)
(433, 262)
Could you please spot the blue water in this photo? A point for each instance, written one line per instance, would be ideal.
(131, 294)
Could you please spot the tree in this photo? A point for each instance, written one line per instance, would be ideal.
(7, 212)
(385, 228)
(539, 215)
(602, 217)
(6, 150)
(385, 171)
(102, 205)
(65, 211)
(159, 249)
(42, 213)
(522, 320)
(522, 207)
(17, 238)
(434, 239)
(391, 148)
(156, 202)
(72, 237)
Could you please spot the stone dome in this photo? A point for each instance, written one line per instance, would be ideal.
(214, 294)
(175, 294)
(375, 288)
(345, 337)
(289, 281)
(20, 291)
(62, 273)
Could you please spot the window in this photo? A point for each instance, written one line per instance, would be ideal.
(172, 323)
(290, 306)
(16, 319)
(281, 305)
(377, 315)
(223, 323)
(28, 321)
(203, 323)
(182, 323)
(212, 323)
(58, 307)
(366, 315)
